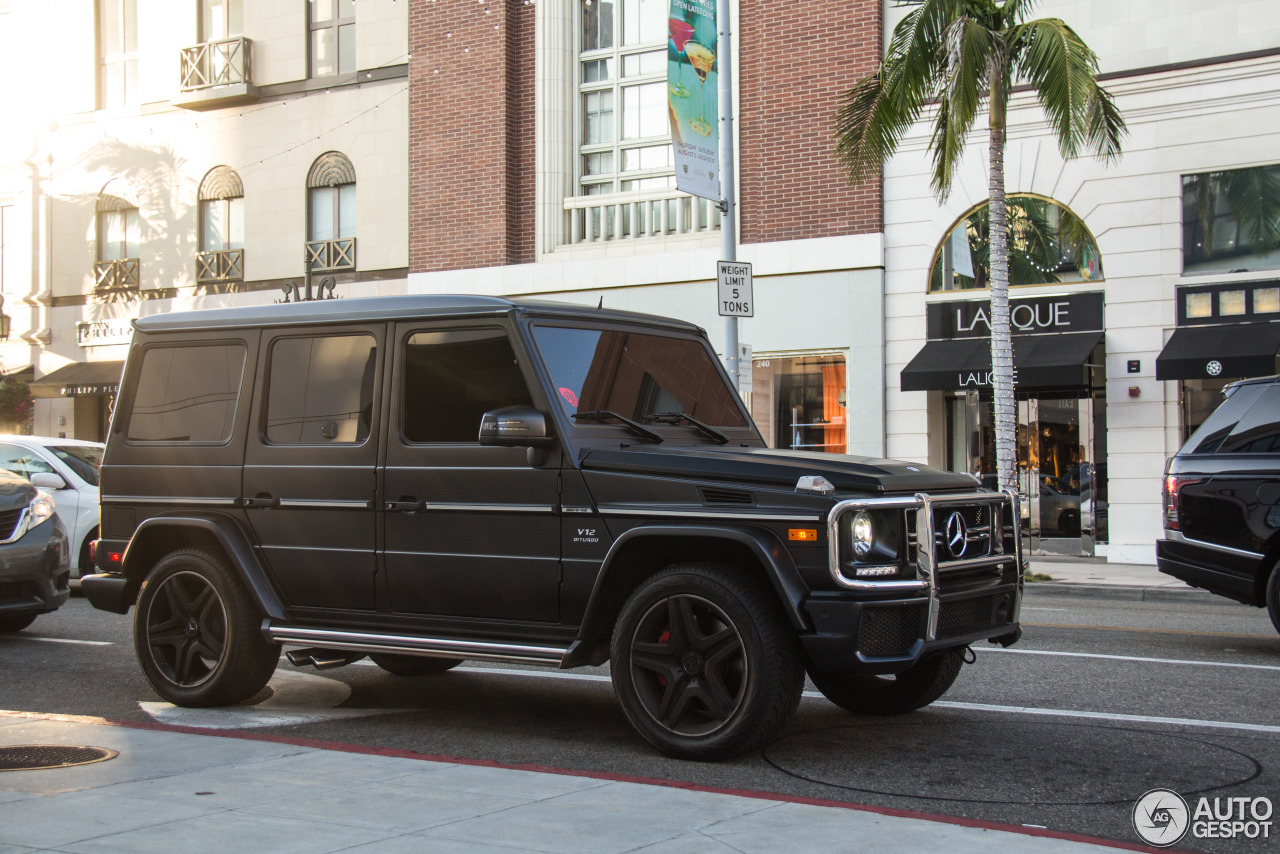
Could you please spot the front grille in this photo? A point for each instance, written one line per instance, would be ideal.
(18, 591)
(890, 631)
(974, 615)
(9, 521)
(977, 531)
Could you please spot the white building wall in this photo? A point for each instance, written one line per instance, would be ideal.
(58, 152)
(1181, 120)
(822, 295)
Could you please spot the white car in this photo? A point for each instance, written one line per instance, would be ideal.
(74, 466)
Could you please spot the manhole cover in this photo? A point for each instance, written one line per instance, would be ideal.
(32, 757)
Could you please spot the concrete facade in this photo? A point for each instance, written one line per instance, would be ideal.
(63, 151)
(1199, 86)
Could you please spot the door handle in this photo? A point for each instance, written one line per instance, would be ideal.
(407, 506)
(260, 501)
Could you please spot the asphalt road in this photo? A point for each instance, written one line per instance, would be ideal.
(1101, 701)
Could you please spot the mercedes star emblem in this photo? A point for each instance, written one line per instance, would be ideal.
(957, 535)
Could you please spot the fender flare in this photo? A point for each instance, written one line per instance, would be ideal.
(766, 547)
(234, 542)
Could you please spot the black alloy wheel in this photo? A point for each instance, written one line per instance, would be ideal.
(196, 633)
(186, 629)
(704, 665)
(689, 665)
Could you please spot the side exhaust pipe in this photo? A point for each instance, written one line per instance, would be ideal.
(321, 659)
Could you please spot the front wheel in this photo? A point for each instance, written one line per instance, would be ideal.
(196, 633)
(868, 694)
(413, 665)
(704, 665)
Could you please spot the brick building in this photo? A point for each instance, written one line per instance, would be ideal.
(540, 165)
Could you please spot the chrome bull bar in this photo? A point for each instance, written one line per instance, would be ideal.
(1006, 512)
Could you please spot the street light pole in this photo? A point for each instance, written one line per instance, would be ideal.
(728, 189)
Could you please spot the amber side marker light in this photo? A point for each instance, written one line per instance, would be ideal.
(803, 535)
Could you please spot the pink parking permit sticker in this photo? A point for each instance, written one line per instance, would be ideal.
(568, 395)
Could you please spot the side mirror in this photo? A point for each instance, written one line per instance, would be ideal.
(47, 480)
(515, 427)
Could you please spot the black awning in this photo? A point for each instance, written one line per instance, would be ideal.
(80, 379)
(1231, 350)
(1041, 361)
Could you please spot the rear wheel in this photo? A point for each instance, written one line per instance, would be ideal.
(196, 633)
(868, 694)
(413, 665)
(16, 622)
(703, 663)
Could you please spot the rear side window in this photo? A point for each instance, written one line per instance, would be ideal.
(187, 394)
(452, 378)
(1258, 430)
(320, 390)
(1217, 426)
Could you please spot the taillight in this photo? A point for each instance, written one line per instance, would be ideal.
(1173, 483)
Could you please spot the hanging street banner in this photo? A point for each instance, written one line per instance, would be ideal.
(693, 96)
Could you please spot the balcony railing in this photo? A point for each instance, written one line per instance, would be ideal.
(216, 63)
(638, 213)
(332, 256)
(221, 265)
(117, 276)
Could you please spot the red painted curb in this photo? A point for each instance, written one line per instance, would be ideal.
(396, 753)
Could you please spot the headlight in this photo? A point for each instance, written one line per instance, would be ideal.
(40, 510)
(864, 534)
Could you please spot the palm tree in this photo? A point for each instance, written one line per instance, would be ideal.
(955, 56)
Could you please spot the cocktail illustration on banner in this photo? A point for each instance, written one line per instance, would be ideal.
(703, 59)
(680, 31)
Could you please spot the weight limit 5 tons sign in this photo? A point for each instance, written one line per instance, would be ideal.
(734, 286)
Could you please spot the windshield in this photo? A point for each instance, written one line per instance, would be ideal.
(636, 375)
(84, 460)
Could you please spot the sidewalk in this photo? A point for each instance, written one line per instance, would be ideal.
(180, 790)
(1094, 578)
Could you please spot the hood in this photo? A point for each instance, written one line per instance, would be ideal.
(15, 492)
(777, 468)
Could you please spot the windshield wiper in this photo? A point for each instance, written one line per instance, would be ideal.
(677, 417)
(608, 414)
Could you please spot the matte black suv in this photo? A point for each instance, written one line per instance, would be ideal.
(430, 479)
(1222, 500)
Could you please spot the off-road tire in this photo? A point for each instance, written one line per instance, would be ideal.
(868, 694)
(1273, 598)
(16, 622)
(196, 633)
(413, 665)
(704, 664)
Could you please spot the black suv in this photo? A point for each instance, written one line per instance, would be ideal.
(1222, 500)
(429, 479)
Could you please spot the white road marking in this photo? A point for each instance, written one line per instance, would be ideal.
(297, 698)
(1131, 658)
(65, 640)
(1036, 608)
(1107, 716)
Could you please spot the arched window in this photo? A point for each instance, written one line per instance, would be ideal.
(119, 238)
(331, 213)
(1047, 244)
(221, 255)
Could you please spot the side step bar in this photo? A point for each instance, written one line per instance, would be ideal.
(366, 642)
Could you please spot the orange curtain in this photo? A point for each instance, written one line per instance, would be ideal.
(832, 411)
